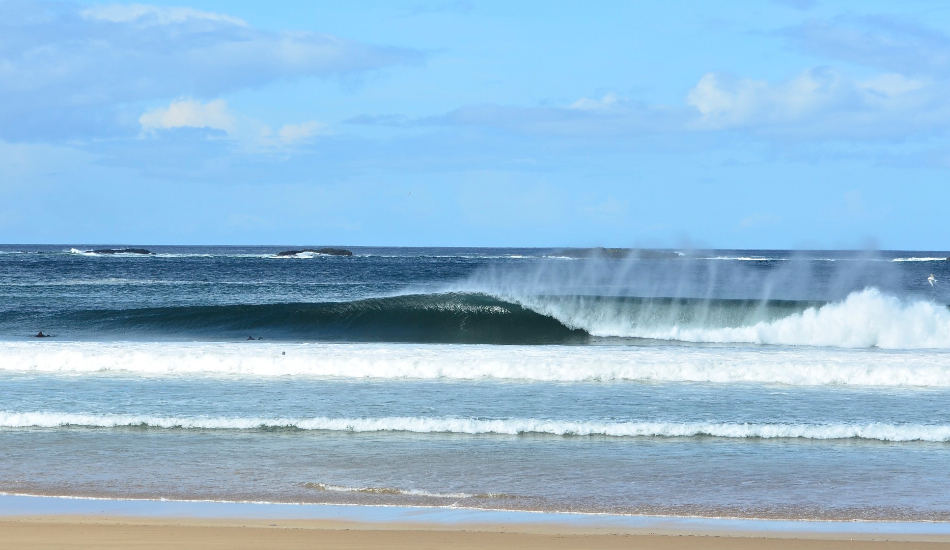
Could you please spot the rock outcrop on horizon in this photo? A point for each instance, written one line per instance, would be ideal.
(120, 251)
(324, 251)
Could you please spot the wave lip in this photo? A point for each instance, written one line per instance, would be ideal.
(515, 426)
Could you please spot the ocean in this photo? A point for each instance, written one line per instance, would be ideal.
(726, 383)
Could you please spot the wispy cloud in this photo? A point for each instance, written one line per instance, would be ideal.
(897, 45)
(294, 133)
(797, 4)
(821, 103)
(609, 116)
(143, 14)
(67, 71)
(188, 113)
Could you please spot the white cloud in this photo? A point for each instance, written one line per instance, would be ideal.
(140, 13)
(292, 133)
(588, 104)
(189, 113)
(819, 102)
(723, 102)
(891, 85)
(246, 134)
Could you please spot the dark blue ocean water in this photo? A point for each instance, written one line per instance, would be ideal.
(743, 383)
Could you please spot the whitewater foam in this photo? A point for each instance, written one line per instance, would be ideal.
(864, 319)
(792, 366)
(470, 426)
(922, 259)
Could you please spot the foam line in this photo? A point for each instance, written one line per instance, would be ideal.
(516, 426)
(791, 366)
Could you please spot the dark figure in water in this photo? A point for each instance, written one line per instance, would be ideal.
(41, 335)
(251, 338)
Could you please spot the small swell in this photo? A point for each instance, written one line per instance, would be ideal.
(510, 426)
(403, 492)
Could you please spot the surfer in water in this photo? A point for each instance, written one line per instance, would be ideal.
(41, 335)
(931, 279)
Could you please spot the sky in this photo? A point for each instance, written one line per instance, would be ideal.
(757, 124)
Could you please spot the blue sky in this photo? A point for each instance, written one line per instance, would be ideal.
(770, 124)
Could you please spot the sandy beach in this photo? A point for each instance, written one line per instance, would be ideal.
(105, 532)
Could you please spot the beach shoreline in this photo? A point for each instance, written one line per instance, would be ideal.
(82, 532)
(64, 522)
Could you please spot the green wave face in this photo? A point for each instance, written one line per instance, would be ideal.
(438, 318)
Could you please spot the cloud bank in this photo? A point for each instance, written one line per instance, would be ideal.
(67, 71)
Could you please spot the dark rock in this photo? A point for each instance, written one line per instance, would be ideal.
(121, 251)
(326, 251)
(619, 253)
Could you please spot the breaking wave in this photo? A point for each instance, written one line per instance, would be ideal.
(515, 426)
(865, 319)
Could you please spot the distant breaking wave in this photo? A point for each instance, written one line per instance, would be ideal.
(517, 426)
(865, 319)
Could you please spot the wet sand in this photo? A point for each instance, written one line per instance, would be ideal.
(107, 532)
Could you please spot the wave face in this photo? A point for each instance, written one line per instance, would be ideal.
(720, 365)
(468, 426)
(432, 318)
